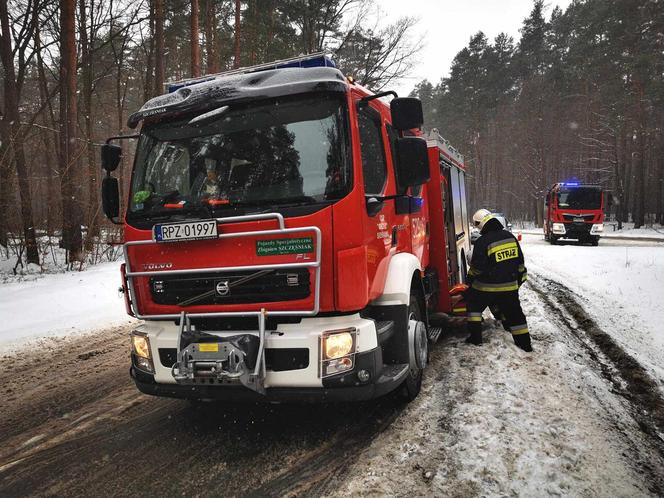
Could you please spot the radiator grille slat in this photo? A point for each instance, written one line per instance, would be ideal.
(277, 285)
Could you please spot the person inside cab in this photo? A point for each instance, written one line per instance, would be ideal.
(497, 270)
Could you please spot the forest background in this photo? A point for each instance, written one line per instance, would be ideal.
(579, 95)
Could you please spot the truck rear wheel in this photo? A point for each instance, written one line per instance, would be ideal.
(419, 353)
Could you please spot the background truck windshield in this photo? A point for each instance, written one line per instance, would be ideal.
(277, 152)
(580, 198)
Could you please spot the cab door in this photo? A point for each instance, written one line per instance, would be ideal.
(385, 232)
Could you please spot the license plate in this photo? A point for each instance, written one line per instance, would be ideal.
(194, 230)
(579, 219)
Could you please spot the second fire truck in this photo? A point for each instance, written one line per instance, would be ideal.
(574, 210)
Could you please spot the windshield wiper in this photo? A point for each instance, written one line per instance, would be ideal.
(287, 201)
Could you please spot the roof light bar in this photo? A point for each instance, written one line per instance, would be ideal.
(319, 59)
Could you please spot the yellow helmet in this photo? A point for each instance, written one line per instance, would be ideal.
(480, 218)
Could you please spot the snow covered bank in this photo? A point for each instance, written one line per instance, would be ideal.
(60, 305)
(623, 285)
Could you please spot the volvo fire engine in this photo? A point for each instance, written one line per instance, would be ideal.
(288, 234)
(574, 210)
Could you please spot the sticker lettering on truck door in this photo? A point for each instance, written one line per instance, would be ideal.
(276, 247)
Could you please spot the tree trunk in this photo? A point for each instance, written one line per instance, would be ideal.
(212, 56)
(13, 136)
(69, 160)
(238, 33)
(87, 69)
(159, 47)
(50, 140)
(195, 46)
(148, 89)
(640, 173)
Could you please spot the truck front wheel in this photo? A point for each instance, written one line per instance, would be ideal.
(418, 344)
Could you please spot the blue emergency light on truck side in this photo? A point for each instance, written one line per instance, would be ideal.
(300, 267)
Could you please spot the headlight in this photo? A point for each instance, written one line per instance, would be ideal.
(140, 346)
(140, 352)
(599, 227)
(558, 228)
(337, 345)
(337, 351)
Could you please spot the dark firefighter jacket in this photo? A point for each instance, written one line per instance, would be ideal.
(497, 264)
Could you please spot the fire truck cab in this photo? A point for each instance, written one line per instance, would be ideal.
(287, 234)
(574, 210)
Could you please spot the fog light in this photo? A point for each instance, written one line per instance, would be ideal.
(337, 344)
(363, 376)
(144, 364)
(558, 228)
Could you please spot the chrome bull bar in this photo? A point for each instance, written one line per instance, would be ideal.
(253, 380)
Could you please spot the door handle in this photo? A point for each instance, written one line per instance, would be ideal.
(394, 236)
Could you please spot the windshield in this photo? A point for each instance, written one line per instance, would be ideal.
(580, 198)
(277, 152)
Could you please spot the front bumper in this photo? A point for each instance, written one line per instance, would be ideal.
(578, 230)
(293, 365)
(342, 388)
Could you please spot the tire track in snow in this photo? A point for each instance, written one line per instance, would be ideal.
(628, 378)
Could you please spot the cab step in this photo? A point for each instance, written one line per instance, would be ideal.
(384, 330)
(434, 334)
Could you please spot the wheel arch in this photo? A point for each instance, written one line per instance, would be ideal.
(403, 273)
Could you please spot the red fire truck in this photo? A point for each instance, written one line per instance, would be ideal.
(288, 234)
(574, 210)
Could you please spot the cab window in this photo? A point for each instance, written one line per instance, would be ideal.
(374, 166)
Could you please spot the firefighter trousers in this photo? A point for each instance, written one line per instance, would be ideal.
(513, 318)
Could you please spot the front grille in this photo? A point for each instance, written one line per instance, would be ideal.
(201, 289)
(276, 360)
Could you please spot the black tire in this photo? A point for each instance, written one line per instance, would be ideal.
(553, 240)
(413, 384)
(595, 241)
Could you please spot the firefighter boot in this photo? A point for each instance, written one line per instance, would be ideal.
(475, 337)
(523, 342)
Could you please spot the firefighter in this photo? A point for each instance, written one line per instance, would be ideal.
(496, 272)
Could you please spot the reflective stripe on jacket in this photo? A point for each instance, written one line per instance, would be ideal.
(497, 264)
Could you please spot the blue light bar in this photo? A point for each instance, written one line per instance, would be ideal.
(571, 184)
(305, 61)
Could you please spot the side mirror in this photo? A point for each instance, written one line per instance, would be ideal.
(110, 197)
(412, 162)
(110, 157)
(406, 113)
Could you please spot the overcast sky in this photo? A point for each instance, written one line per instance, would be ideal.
(447, 26)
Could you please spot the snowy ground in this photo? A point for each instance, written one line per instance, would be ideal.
(622, 283)
(56, 305)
